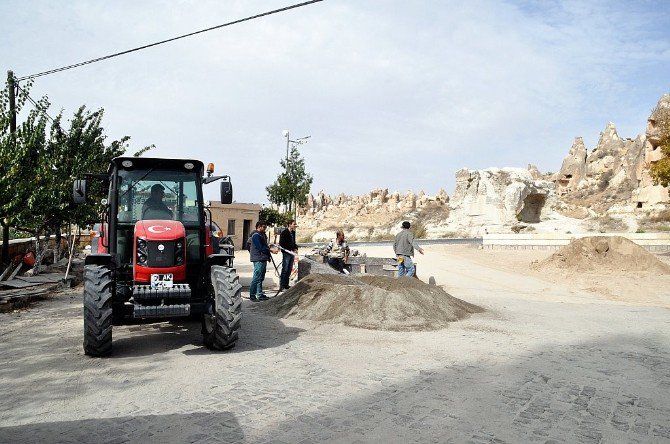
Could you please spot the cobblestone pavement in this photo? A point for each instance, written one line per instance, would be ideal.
(525, 371)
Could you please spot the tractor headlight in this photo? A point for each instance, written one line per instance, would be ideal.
(179, 252)
(141, 251)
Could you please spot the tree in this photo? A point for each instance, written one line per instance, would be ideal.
(16, 151)
(274, 217)
(39, 163)
(660, 170)
(292, 185)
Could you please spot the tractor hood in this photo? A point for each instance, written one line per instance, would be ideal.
(159, 230)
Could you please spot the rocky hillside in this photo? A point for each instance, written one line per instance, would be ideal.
(605, 189)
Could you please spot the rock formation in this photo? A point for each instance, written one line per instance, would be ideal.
(611, 180)
(648, 195)
(573, 170)
(495, 199)
(375, 215)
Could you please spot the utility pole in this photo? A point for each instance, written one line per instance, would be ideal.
(298, 141)
(288, 141)
(12, 130)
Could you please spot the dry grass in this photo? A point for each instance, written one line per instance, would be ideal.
(663, 216)
(609, 224)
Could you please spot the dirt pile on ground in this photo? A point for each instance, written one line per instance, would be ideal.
(371, 302)
(603, 254)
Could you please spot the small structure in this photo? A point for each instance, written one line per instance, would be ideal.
(236, 220)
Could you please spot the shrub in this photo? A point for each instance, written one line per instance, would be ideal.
(605, 179)
(419, 230)
(663, 216)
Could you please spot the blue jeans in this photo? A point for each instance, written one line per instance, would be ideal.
(256, 286)
(406, 267)
(286, 268)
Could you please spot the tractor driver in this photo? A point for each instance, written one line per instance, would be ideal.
(154, 207)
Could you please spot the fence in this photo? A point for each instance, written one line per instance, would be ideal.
(652, 242)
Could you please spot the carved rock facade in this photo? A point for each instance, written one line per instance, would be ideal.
(494, 199)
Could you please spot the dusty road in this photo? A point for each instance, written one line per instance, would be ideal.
(548, 362)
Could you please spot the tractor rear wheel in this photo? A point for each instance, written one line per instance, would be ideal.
(97, 310)
(223, 313)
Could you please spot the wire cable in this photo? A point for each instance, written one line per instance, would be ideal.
(36, 105)
(253, 17)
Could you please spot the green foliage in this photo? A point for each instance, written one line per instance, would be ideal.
(292, 185)
(274, 217)
(39, 163)
(18, 234)
(660, 170)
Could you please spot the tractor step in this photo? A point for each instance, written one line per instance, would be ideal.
(145, 292)
(161, 311)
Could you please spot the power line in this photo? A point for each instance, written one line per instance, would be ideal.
(35, 104)
(253, 17)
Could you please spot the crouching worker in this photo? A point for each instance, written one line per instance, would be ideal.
(259, 254)
(337, 253)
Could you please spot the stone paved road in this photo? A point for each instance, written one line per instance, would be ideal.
(525, 371)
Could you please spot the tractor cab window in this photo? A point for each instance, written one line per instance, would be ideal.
(156, 194)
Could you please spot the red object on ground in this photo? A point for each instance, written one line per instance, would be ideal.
(29, 259)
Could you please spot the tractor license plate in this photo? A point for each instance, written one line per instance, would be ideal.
(161, 280)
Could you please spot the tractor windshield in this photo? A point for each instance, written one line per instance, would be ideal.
(158, 194)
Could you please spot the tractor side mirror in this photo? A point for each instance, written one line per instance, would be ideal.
(79, 191)
(226, 191)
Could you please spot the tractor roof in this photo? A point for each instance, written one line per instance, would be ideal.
(155, 162)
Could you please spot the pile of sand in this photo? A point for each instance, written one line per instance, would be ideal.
(371, 302)
(603, 254)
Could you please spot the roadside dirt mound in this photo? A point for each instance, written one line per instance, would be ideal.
(603, 254)
(371, 302)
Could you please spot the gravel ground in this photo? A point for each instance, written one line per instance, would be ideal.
(547, 362)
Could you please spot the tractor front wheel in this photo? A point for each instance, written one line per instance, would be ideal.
(221, 321)
(97, 310)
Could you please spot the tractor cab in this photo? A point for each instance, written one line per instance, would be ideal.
(156, 248)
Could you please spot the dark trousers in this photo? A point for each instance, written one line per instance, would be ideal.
(286, 268)
(336, 263)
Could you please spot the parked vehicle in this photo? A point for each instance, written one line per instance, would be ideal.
(158, 262)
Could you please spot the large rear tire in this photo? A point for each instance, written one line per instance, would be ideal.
(97, 310)
(223, 314)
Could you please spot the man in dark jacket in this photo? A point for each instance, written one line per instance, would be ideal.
(154, 207)
(287, 242)
(259, 254)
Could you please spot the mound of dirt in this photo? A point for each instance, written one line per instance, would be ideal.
(371, 302)
(603, 254)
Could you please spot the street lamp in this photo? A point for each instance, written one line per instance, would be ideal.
(298, 141)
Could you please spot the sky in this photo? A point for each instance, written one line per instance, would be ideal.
(393, 94)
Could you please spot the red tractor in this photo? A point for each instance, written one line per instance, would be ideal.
(155, 257)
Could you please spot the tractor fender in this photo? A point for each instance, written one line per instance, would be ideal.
(218, 259)
(104, 259)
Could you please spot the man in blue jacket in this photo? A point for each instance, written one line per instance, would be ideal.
(259, 254)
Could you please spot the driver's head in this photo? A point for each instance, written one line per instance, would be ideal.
(158, 191)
